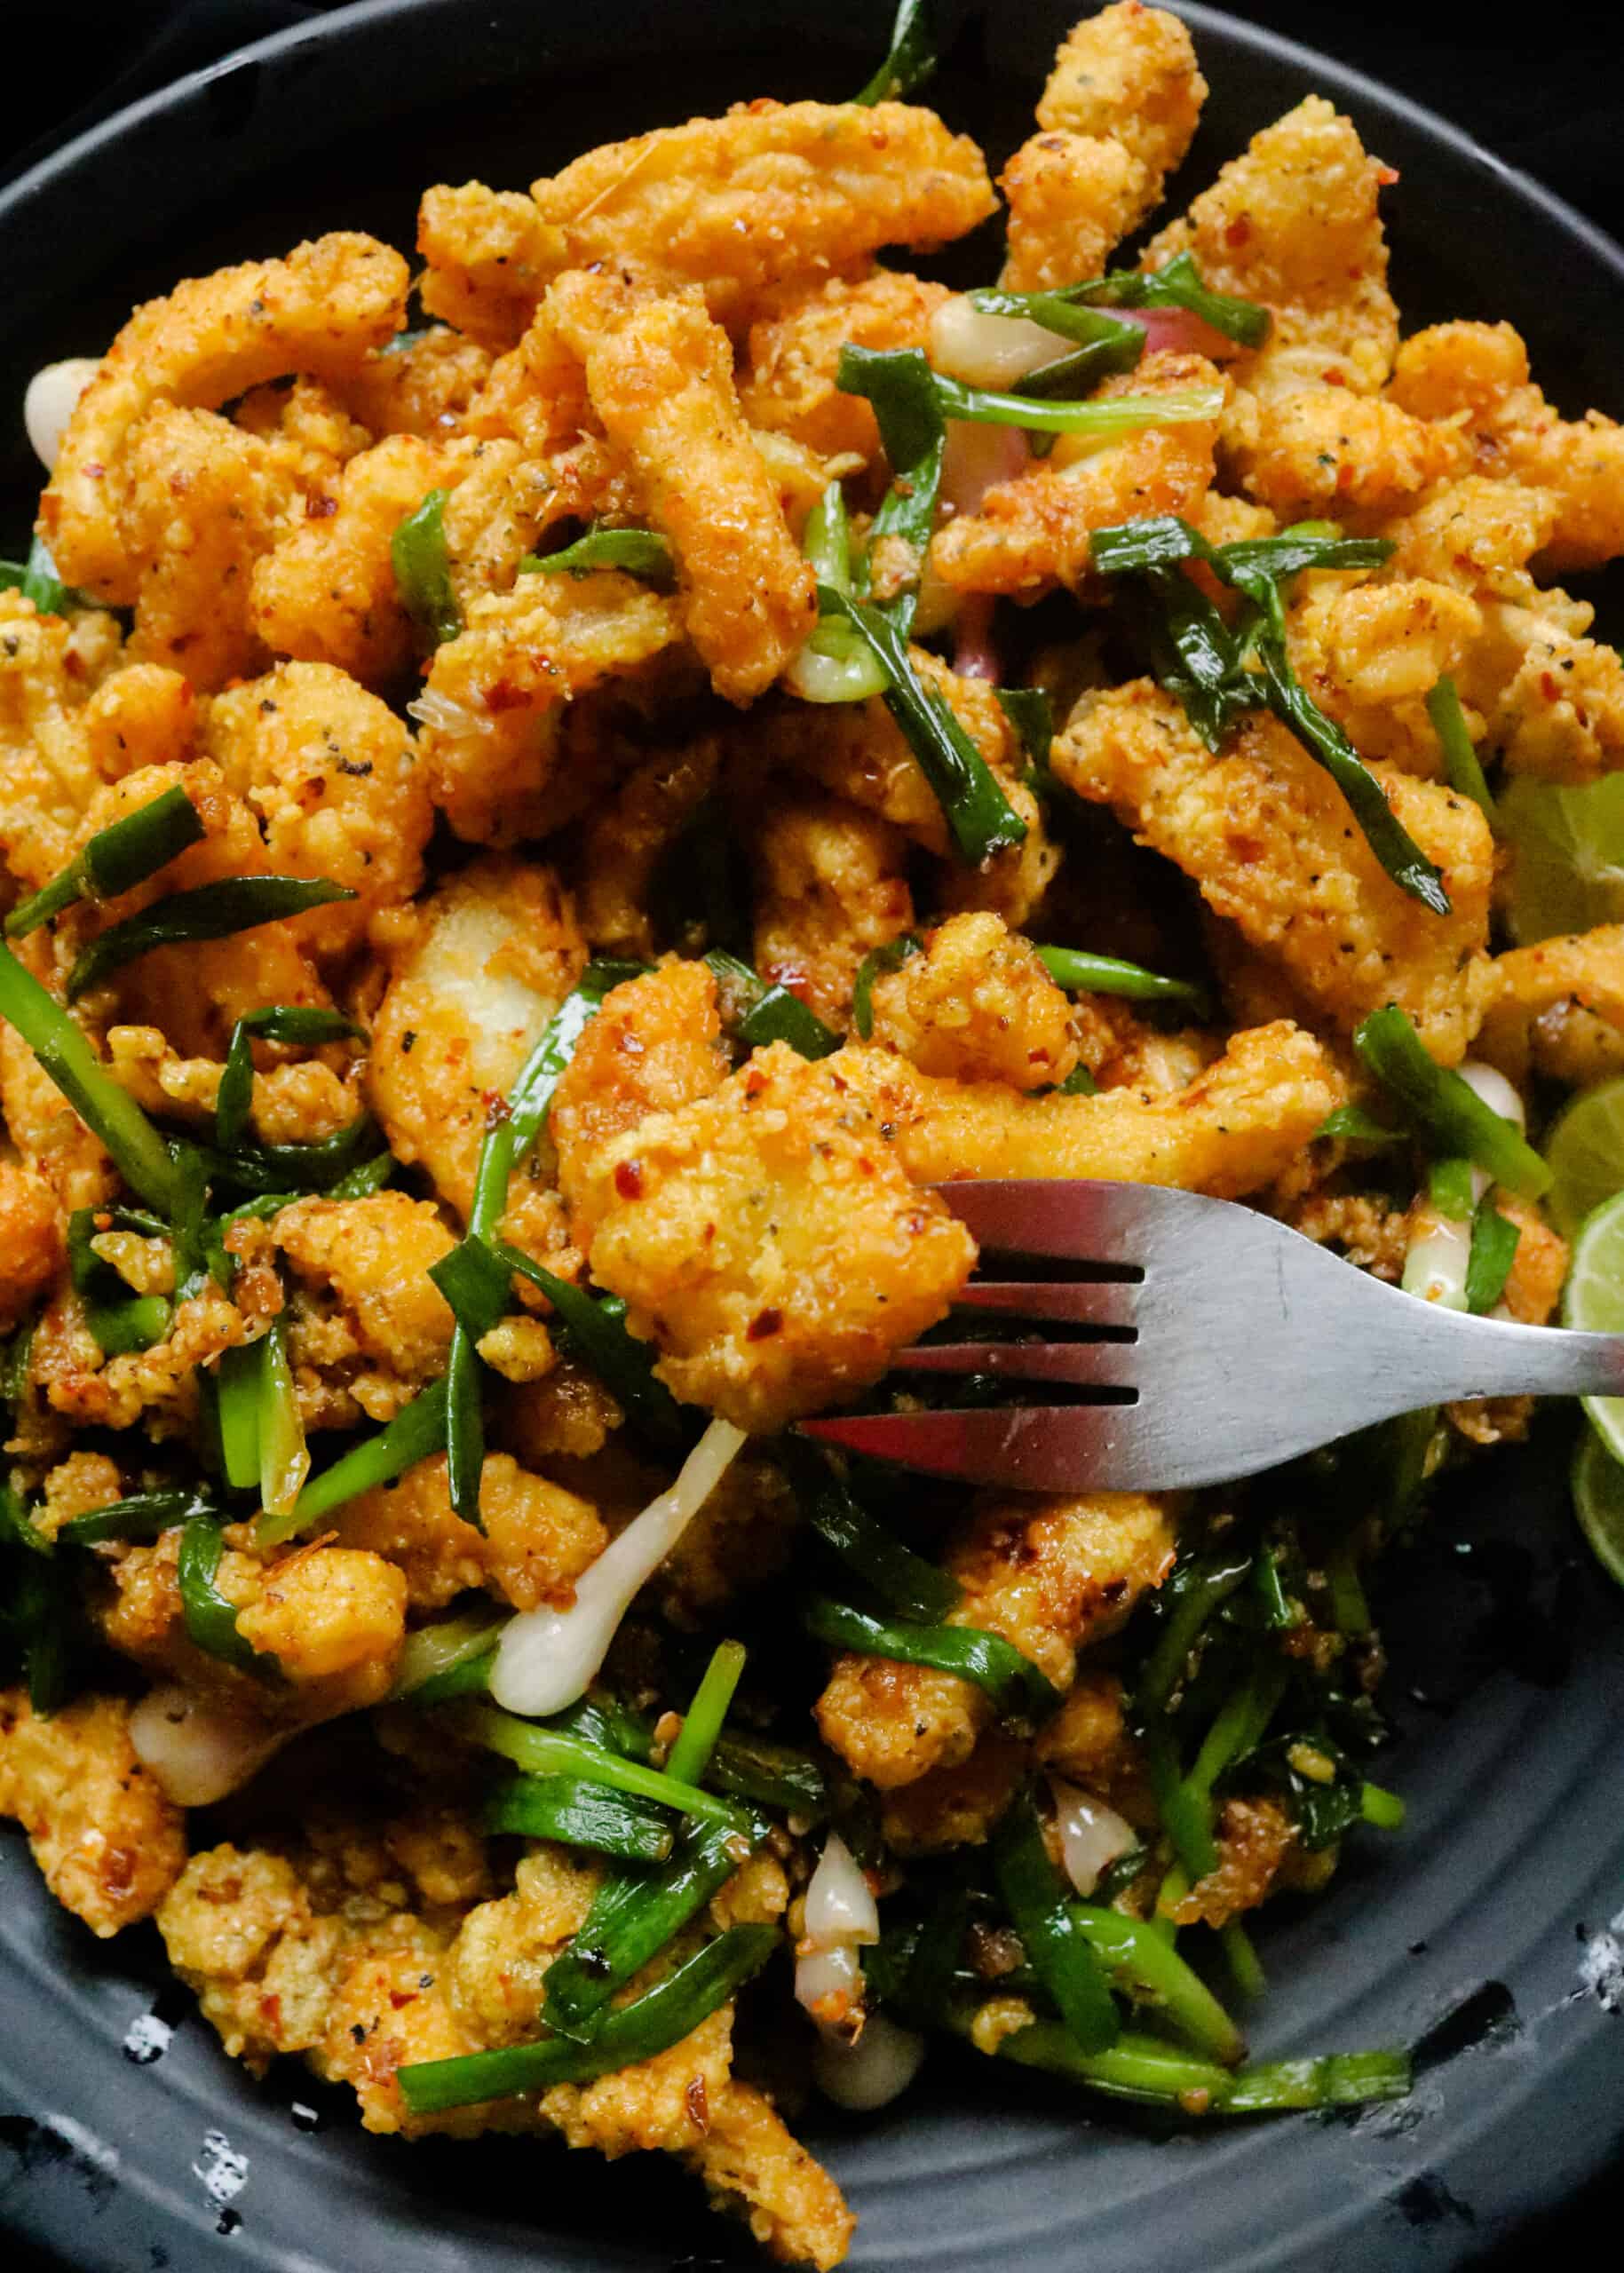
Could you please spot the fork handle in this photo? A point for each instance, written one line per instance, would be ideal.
(1460, 1357)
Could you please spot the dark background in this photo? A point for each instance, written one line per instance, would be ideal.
(1543, 91)
(1542, 88)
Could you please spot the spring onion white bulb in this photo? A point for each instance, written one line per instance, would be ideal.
(1092, 1835)
(1435, 1263)
(1495, 1091)
(828, 1984)
(986, 351)
(851, 675)
(546, 1658)
(839, 1905)
(198, 1750)
(873, 2071)
(50, 402)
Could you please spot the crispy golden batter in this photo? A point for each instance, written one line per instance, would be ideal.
(1071, 198)
(1552, 701)
(1049, 1575)
(1255, 1838)
(1478, 372)
(331, 777)
(659, 373)
(739, 204)
(288, 1954)
(205, 503)
(489, 255)
(956, 1806)
(1271, 841)
(317, 311)
(1326, 450)
(767, 1242)
(626, 841)
(157, 1386)
(494, 953)
(538, 1538)
(1370, 654)
(331, 1612)
(422, 383)
(654, 1047)
(489, 712)
(370, 1258)
(194, 992)
(1130, 72)
(1536, 988)
(110, 1844)
(794, 351)
(748, 2161)
(1294, 224)
(1118, 114)
(832, 885)
(1033, 532)
(326, 592)
(53, 760)
(30, 1240)
(857, 750)
(1234, 1129)
(977, 1005)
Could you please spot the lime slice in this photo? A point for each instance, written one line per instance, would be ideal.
(1593, 1300)
(1569, 874)
(1584, 1151)
(1598, 1502)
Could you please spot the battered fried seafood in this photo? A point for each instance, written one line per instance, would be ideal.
(443, 1227)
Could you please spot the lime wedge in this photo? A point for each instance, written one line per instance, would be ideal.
(1593, 1300)
(1570, 857)
(1584, 1151)
(1598, 1502)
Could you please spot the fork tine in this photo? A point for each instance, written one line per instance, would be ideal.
(1094, 1365)
(1083, 1220)
(1032, 1448)
(1070, 1303)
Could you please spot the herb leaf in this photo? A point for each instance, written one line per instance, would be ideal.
(215, 911)
(124, 853)
(911, 59)
(422, 571)
(638, 552)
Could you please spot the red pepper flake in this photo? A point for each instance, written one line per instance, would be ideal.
(764, 1326)
(1239, 231)
(1387, 176)
(629, 1179)
(320, 508)
(94, 472)
(698, 2103)
(1548, 687)
(505, 696)
(401, 1998)
(1334, 379)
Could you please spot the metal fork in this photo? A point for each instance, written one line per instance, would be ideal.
(1221, 1343)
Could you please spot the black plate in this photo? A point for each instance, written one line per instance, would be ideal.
(1508, 1649)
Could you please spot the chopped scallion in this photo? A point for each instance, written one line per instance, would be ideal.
(124, 854)
(670, 2011)
(1442, 1108)
(1017, 1687)
(215, 911)
(637, 552)
(422, 571)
